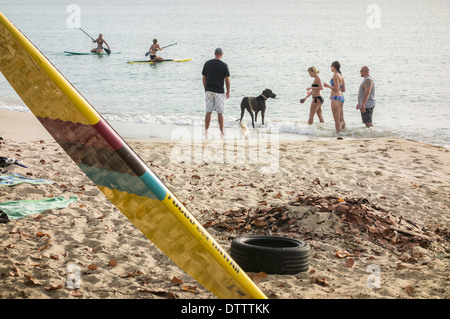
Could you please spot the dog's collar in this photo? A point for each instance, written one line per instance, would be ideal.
(265, 98)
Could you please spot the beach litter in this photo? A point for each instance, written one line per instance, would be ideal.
(23, 208)
(11, 179)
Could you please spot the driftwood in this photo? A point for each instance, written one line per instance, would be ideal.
(409, 232)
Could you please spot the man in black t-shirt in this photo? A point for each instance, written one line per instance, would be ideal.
(215, 72)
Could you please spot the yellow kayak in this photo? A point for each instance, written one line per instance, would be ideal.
(163, 61)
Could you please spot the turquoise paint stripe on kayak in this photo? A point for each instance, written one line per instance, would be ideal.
(122, 182)
(157, 187)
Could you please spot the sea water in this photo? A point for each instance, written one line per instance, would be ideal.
(266, 44)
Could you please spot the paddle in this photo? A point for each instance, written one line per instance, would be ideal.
(147, 53)
(107, 50)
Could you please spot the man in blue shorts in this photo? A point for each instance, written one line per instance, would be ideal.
(366, 97)
(215, 72)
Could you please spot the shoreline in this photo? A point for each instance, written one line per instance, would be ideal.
(20, 124)
(404, 180)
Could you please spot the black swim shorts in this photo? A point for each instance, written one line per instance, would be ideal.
(367, 116)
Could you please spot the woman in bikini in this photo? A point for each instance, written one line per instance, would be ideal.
(337, 86)
(154, 48)
(317, 99)
(99, 41)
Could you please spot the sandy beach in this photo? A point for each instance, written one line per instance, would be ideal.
(375, 213)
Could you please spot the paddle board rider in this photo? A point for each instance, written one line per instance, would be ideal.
(99, 42)
(153, 49)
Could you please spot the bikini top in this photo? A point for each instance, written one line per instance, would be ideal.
(332, 83)
(315, 85)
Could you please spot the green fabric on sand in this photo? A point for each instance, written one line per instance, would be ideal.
(22, 208)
